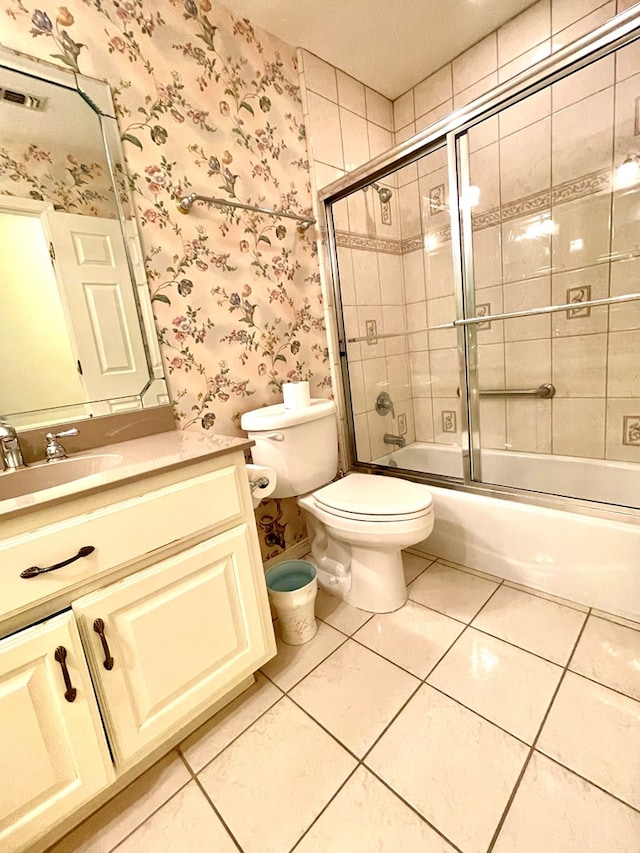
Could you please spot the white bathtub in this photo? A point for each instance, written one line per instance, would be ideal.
(585, 559)
(591, 479)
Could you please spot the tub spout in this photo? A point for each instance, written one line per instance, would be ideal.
(397, 440)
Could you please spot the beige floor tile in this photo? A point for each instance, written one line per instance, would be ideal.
(275, 779)
(451, 591)
(596, 732)
(211, 738)
(414, 565)
(508, 686)
(557, 812)
(540, 626)
(338, 614)
(609, 653)
(414, 637)
(455, 768)
(383, 822)
(186, 822)
(294, 662)
(354, 694)
(114, 821)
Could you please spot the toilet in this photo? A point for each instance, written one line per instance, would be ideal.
(359, 524)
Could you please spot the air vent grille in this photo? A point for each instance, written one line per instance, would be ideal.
(21, 99)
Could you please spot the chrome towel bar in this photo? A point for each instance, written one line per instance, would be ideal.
(185, 204)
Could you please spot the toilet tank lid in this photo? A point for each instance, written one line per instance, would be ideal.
(277, 417)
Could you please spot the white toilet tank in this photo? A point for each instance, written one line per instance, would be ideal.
(300, 444)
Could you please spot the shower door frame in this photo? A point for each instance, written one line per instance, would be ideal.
(452, 133)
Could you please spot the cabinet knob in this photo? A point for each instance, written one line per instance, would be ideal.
(98, 627)
(61, 656)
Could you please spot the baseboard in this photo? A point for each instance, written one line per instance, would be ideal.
(296, 552)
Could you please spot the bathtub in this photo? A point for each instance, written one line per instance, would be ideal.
(593, 561)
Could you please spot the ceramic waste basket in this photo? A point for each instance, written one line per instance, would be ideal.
(292, 587)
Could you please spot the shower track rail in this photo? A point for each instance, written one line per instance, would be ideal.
(489, 318)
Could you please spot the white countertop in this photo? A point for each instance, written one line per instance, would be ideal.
(140, 457)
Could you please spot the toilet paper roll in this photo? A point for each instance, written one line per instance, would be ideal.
(296, 395)
(257, 475)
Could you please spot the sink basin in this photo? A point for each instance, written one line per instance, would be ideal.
(46, 475)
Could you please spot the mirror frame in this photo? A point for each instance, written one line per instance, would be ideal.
(97, 94)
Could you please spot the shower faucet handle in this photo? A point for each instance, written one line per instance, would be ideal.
(384, 404)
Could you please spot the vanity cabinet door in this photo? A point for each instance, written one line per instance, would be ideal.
(166, 642)
(53, 752)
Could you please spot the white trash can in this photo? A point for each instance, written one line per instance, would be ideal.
(292, 587)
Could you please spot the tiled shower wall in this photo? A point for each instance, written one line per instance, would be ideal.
(348, 124)
(547, 162)
(395, 259)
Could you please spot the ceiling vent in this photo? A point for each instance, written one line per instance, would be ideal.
(31, 102)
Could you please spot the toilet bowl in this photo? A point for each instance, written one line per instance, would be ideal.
(359, 524)
(358, 527)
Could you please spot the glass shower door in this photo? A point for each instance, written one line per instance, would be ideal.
(396, 283)
(553, 185)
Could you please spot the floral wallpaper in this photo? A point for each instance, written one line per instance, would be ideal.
(72, 185)
(207, 104)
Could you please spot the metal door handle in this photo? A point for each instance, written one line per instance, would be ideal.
(98, 627)
(61, 656)
(33, 571)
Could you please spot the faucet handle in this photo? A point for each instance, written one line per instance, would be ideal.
(66, 433)
(54, 450)
(384, 404)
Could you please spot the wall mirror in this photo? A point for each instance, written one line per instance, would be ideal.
(77, 337)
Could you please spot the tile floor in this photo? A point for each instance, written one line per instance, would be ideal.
(479, 717)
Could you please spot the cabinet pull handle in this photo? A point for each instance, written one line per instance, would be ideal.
(36, 570)
(61, 656)
(98, 627)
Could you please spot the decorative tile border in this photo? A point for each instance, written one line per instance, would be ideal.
(347, 240)
(631, 430)
(412, 244)
(585, 185)
(596, 182)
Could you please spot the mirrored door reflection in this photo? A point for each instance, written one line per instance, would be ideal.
(395, 269)
(555, 184)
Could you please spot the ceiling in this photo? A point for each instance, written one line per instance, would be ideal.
(388, 44)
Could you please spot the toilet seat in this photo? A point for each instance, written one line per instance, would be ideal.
(365, 497)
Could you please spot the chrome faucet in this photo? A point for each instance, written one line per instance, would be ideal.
(10, 451)
(54, 450)
(397, 440)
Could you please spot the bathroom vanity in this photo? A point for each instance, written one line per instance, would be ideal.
(109, 660)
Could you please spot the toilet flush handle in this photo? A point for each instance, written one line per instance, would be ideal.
(274, 436)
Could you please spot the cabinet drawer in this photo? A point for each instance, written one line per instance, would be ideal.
(121, 533)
